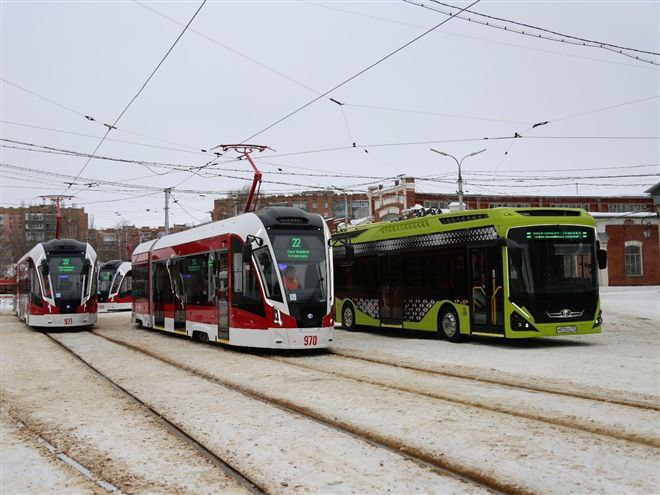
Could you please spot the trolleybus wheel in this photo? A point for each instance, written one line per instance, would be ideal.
(348, 317)
(449, 325)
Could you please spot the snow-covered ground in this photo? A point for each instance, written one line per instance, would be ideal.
(380, 413)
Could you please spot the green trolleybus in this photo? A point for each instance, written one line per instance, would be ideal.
(502, 272)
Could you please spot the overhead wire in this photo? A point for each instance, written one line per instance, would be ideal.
(346, 81)
(230, 49)
(141, 88)
(90, 118)
(486, 40)
(537, 28)
(603, 46)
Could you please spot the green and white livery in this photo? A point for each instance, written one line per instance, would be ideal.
(502, 272)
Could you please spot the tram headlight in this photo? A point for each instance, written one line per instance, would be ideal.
(599, 320)
(277, 317)
(520, 324)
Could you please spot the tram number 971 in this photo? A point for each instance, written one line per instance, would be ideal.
(310, 340)
(68, 321)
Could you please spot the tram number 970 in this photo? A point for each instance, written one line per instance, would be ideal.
(310, 340)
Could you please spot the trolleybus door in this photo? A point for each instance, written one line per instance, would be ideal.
(222, 293)
(486, 292)
(389, 283)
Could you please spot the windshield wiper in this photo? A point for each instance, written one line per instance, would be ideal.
(316, 289)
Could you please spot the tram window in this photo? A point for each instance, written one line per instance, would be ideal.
(139, 281)
(221, 275)
(35, 289)
(245, 289)
(115, 284)
(268, 273)
(194, 274)
(126, 287)
(162, 285)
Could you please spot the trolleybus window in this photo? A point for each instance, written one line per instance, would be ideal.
(553, 259)
(546, 264)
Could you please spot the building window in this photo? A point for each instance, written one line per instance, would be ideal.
(509, 205)
(633, 261)
(314, 206)
(625, 207)
(300, 204)
(570, 205)
(338, 209)
(436, 204)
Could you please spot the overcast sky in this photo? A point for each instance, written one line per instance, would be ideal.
(242, 66)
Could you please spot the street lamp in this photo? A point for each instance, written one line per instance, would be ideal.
(460, 177)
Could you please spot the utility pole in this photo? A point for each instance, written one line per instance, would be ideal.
(460, 177)
(167, 191)
(342, 190)
(57, 199)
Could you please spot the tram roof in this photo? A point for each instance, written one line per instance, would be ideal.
(500, 218)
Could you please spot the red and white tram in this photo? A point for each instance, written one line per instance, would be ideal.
(115, 286)
(56, 284)
(260, 279)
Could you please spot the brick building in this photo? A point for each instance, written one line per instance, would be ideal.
(627, 225)
(633, 248)
(119, 242)
(23, 227)
(328, 204)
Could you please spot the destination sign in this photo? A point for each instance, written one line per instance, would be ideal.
(65, 266)
(297, 250)
(557, 234)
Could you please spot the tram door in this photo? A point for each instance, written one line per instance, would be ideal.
(389, 283)
(161, 293)
(176, 270)
(221, 294)
(486, 291)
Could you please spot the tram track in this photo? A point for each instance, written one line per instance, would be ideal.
(573, 423)
(436, 462)
(177, 431)
(60, 455)
(511, 384)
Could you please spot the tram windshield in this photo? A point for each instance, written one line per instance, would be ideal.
(105, 279)
(67, 277)
(301, 261)
(552, 260)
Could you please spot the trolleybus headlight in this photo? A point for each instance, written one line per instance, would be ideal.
(521, 324)
(599, 320)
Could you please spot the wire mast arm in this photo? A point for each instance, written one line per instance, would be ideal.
(57, 199)
(246, 149)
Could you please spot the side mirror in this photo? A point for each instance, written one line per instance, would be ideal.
(44, 268)
(602, 259)
(247, 252)
(86, 267)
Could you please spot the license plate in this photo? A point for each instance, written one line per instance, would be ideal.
(566, 329)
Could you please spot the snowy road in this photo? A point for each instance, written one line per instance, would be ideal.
(378, 413)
